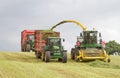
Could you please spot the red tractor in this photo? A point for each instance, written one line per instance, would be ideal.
(27, 40)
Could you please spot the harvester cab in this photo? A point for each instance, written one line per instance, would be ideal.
(89, 39)
(54, 49)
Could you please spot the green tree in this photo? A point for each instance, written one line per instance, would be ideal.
(112, 46)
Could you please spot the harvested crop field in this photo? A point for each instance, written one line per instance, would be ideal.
(25, 65)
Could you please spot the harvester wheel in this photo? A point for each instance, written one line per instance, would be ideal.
(64, 57)
(108, 60)
(76, 54)
(76, 59)
(47, 56)
(72, 54)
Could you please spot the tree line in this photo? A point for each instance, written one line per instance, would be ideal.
(112, 47)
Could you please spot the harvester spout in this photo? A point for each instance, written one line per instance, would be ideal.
(72, 21)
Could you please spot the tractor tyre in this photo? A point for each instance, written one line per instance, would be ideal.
(76, 54)
(38, 55)
(73, 54)
(47, 56)
(59, 59)
(23, 48)
(43, 56)
(28, 47)
(64, 57)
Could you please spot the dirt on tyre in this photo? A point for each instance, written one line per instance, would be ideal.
(47, 56)
(64, 57)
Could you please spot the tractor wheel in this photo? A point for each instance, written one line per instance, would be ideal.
(108, 60)
(76, 54)
(38, 55)
(43, 56)
(72, 54)
(47, 56)
(23, 48)
(28, 47)
(59, 59)
(64, 57)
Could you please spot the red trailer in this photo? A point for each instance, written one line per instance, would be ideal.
(27, 40)
(40, 40)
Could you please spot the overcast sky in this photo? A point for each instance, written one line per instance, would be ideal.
(17, 15)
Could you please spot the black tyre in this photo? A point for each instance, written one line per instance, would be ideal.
(38, 55)
(43, 56)
(76, 54)
(28, 47)
(47, 56)
(64, 57)
(60, 59)
(76, 59)
(72, 53)
(23, 48)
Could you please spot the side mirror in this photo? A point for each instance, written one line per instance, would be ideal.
(63, 40)
(99, 34)
(80, 34)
